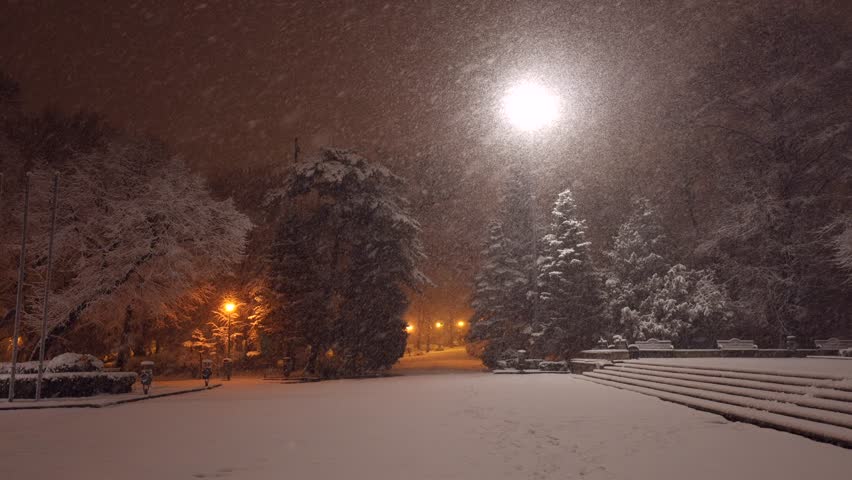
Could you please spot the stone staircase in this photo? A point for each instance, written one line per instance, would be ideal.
(818, 406)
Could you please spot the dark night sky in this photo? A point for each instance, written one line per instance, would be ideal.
(230, 83)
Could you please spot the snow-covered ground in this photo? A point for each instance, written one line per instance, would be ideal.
(450, 426)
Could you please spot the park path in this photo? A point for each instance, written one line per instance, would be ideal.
(450, 360)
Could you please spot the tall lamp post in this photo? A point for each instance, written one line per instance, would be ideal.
(530, 107)
(229, 309)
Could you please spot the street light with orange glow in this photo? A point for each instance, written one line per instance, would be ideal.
(460, 323)
(409, 328)
(229, 309)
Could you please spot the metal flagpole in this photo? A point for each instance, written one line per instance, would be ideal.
(54, 208)
(20, 295)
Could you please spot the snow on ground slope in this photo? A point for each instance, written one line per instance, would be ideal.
(476, 426)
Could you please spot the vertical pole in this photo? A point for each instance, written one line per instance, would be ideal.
(533, 251)
(296, 150)
(228, 348)
(19, 298)
(54, 208)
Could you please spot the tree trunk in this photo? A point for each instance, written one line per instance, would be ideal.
(124, 345)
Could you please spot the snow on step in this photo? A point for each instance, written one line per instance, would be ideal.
(845, 385)
(797, 411)
(728, 367)
(819, 431)
(809, 391)
(819, 403)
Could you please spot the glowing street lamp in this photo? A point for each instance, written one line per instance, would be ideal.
(439, 324)
(461, 323)
(229, 309)
(530, 106)
(409, 328)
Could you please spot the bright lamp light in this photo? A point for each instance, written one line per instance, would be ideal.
(530, 106)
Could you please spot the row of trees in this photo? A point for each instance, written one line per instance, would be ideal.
(563, 301)
(147, 255)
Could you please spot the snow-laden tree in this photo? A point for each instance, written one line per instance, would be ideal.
(569, 287)
(686, 306)
(649, 298)
(504, 296)
(500, 282)
(782, 136)
(841, 241)
(346, 248)
(638, 253)
(137, 234)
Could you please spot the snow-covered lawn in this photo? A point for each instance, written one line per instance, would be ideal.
(446, 426)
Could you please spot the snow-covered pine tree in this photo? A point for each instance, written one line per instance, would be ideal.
(504, 303)
(648, 298)
(345, 250)
(498, 285)
(638, 253)
(569, 287)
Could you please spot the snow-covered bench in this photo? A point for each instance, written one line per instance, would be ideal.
(652, 344)
(736, 344)
(833, 344)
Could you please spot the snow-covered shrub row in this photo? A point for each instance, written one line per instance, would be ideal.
(846, 353)
(66, 362)
(70, 384)
(549, 366)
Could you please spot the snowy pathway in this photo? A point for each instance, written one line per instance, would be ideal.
(472, 426)
(450, 360)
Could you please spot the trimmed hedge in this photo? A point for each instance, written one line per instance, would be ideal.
(546, 366)
(73, 384)
(66, 362)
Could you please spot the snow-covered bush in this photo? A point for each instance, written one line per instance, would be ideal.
(66, 362)
(846, 353)
(74, 362)
(548, 366)
(683, 305)
(70, 384)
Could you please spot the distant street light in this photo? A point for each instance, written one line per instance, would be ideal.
(460, 323)
(409, 328)
(439, 325)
